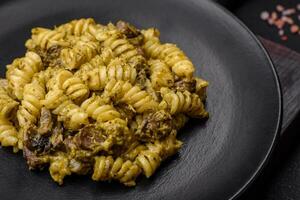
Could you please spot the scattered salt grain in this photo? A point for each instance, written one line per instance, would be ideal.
(294, 29)
(284, 38)
(271, 21)
(289, 11)
(279, 23)
(274, 15)
(283, 19)
(279, 8)
(288, 20)
(264, 15)
(281, 32)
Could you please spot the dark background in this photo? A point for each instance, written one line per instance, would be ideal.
(281, 178)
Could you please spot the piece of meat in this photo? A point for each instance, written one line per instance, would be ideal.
(127, 111)
(69, 143)
(35, 148)
(127, 29)
(143, 74)
(50, 56)
(45, 121)
(89, 137)
(56, 137)
(155, 126)
(38, 144)
(34, 161)
(116, 132)
(77, 153)
(137, 42)
(132, 34)
(185, 84)
(140, 51)
(95, 138)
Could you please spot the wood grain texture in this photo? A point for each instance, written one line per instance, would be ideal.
(287, 64)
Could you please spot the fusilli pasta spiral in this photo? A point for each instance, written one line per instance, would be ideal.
(29, 111)
(8, 133)
(161, 76)
(132, 95)
(21, 71)
(77, 27)
(45, 38)
(99, 110)
(120, 46)
(68, 112)
(8, 106)
(170, 53)
(150, 158)
(81, 53)
(201, 86)
(106, 168)
(184, 102)
(117, 69)
(73, 86)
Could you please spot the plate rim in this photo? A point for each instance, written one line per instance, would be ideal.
(275, 76)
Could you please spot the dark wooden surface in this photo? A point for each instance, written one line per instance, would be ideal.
(281, 178)
(287, 64)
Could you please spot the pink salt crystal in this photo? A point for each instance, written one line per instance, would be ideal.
(284, 38)
(281, 32)
(288, 20)
(274, 15)
(279, 23)
(264, 15)
(294, 28)
(289, 11)
(279, 8)
(270, 21)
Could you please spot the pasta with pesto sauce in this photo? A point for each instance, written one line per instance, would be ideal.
(101, 100)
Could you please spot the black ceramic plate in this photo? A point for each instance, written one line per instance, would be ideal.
(221, 156)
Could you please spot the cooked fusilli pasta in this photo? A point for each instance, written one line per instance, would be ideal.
(31, 105)
(8, 133)
(99, 110)
(132, 95)
(21, 71)
(118, 69)
(77, 27)
(106, 168)
(82, 52)
(45, 38)
(8, 106)
(201, 86)
(106, 100)
(161, 75)
(182, 102)
(170, 53)
(68, 112)
(72, 86)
